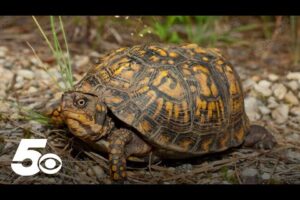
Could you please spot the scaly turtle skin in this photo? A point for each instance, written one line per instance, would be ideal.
(173, 101)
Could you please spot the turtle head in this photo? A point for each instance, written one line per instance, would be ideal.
(85, 115)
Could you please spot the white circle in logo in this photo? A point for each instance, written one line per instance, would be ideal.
(50, 163)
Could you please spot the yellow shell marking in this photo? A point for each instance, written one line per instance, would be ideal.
(185, 109)
(186, 72)
(158, 50)
(205, 59)
(127, 75)
(165, 88)
(169, 109)
(146, 126)
(163, 139)
(200, 68)
(158, 79)
(116, 176)
(214, 89)
(171, 62)
(203, 104)
(154, 58)
(220, 62)
(159, 103)
(185, 144)
(224, 140)
(198, 106)
(199, 50)
(202, 78)
(202, 119)
(205, 145)
(219, 68)
(176, 111)
(232, 83)
(190, 46)
(120, 50)
(210, 110)
(114, 168)
(240, 134)
(152, 96)
(173, 54)
(193, 88)
(86, 87)
(113, 99)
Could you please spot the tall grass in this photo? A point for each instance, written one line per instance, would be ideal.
(63, 60)
(295, 38)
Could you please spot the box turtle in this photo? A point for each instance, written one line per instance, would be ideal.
(172, 101)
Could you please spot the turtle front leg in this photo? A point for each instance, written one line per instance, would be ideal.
(117, 156)
(122, 144)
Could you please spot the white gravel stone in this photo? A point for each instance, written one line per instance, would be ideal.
(293, 85)
(295, 110)
(247, 84)
(32, 89)
(293, 137)
(98, 171)
(273, 77)
(3, 51)
(5, 75)
(171, 169)
(279, 91)
(293, 76)
(90, 172)
(293, 155)
(280, 114)
(266, 176)
(291, 98)
(251, 108)
(81, 61)
(272, 103)
(26, 74)
(249, 172)
(264, 110)
(263, 88)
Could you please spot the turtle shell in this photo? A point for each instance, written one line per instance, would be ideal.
(181, 99)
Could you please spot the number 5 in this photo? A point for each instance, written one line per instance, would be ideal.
(23, 153)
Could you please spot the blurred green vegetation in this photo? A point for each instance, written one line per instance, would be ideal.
(203, 30)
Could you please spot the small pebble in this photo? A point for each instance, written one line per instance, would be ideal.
(26, 74)
(279, 91)
(295, 111)
(98, 171)
(291, 98)
(32, 89)
(293, 76)
(280, 114)
(263, 88)
(266, 176)
(273, 77)
(293, 85)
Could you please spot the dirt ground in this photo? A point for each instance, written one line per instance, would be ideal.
(270, 79)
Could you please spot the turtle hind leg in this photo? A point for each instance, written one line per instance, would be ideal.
(260, 138)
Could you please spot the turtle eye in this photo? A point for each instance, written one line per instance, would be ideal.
(81, 103)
